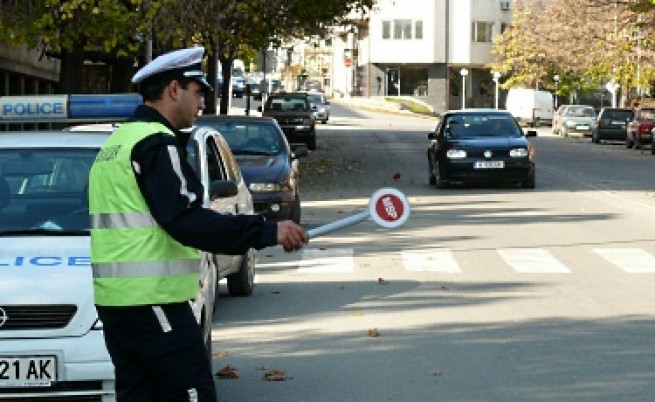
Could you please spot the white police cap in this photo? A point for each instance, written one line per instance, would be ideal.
(174, 65)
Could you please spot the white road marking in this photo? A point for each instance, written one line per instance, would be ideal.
(631, 260)
(329, 260)
(532, 261)
(430, 261)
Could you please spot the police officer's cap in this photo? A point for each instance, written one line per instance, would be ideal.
(174, 65)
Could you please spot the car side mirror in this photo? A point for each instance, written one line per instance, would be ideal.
(222, 189)
(531, 133)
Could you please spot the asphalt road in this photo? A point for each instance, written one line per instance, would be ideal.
(488, 293)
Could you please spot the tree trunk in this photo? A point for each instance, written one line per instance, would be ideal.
(70, 74)
(212, 77)
(122, 70)
(226, 69)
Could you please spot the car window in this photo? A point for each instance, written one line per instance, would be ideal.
(315, 98)
(580, 111)
(481, 125)
(620, 115)
(231, 165)
(244, 137)
(43, 187)
(287, 103)
(215, 166)
(647, 114)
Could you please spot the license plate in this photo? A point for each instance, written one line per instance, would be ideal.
(25, 371)
(582, 128)
(618, 123)
(489, 165)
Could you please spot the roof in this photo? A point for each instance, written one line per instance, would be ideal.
(52, 139)
(233, 118)
(478, 110)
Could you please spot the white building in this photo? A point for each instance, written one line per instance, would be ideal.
(419, 47)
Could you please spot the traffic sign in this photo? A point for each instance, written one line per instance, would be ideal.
(388, 207)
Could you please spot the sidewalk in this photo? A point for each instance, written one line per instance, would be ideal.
(380, 103)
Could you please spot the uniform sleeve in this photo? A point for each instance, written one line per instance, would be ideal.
(174, 194)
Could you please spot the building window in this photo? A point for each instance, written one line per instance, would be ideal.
(503, 27)
(402, 29)
(418, 29)
(482, 31)
(386, 29)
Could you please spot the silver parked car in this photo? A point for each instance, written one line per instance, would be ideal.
(570, 119)
(320, 106)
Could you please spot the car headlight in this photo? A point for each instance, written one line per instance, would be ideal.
(456, 154)
(263, 187)
(518, 152)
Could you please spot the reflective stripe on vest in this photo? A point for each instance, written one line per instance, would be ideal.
(134, 261)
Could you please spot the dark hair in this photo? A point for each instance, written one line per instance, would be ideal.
(154, 91)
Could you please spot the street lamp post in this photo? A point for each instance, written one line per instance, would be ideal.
(556, 79)
(496, 75)
(464, 72)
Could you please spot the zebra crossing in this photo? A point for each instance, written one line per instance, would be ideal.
(631, 260)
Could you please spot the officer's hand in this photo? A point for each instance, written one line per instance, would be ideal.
(291, 236)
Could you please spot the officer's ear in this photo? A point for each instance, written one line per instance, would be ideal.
(173, 89)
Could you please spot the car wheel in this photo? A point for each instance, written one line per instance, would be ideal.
(242, 282)
(637, 142)
(555, 132)
(431, 178)
(629, 143)
(324, 121)
(295, 213)
(530, 182)
(311, 142)
(438, 179)
(564, 132)
(652, 148)
(595, 139)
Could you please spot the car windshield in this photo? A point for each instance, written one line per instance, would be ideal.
(647, 114)
(620, 115)
(44, 191)
(315, 98)
(481, 125)
(253, 137)
(287, 103)
(580, 112)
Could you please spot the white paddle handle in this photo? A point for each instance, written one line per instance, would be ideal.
(340, 224)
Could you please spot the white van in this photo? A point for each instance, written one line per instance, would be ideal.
(530, 106)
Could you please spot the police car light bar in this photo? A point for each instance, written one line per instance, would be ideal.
(67, 108)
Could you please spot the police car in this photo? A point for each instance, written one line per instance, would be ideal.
(51, 342)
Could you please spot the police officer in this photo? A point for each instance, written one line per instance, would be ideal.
(148, 225)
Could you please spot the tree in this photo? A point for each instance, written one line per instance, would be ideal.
(75, 31)
(598, 41)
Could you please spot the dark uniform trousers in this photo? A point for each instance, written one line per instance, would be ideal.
(159, 353)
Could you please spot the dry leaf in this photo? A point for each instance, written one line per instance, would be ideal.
(373, 333)
(436, 373)
(274, 375)
(396, 176)
(381, 281)
(222, 353)
(228, 372)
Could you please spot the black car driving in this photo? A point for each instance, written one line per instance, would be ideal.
(480, 145)
(267, 163)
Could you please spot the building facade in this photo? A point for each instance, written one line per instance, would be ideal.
(420, 48)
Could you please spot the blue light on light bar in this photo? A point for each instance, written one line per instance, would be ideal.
(67, 108)
(103, 106)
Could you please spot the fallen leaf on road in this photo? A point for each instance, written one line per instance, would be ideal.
(274, 375)
(228, 372)
(222, 353)
(373, 333)
(436, 373)
(396, 176)
(381, 281)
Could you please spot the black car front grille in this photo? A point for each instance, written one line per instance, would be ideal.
(34, 317)
(66, 389)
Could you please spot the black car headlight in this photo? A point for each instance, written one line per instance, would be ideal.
(264, 187)
(456, 154)
(518, 152)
